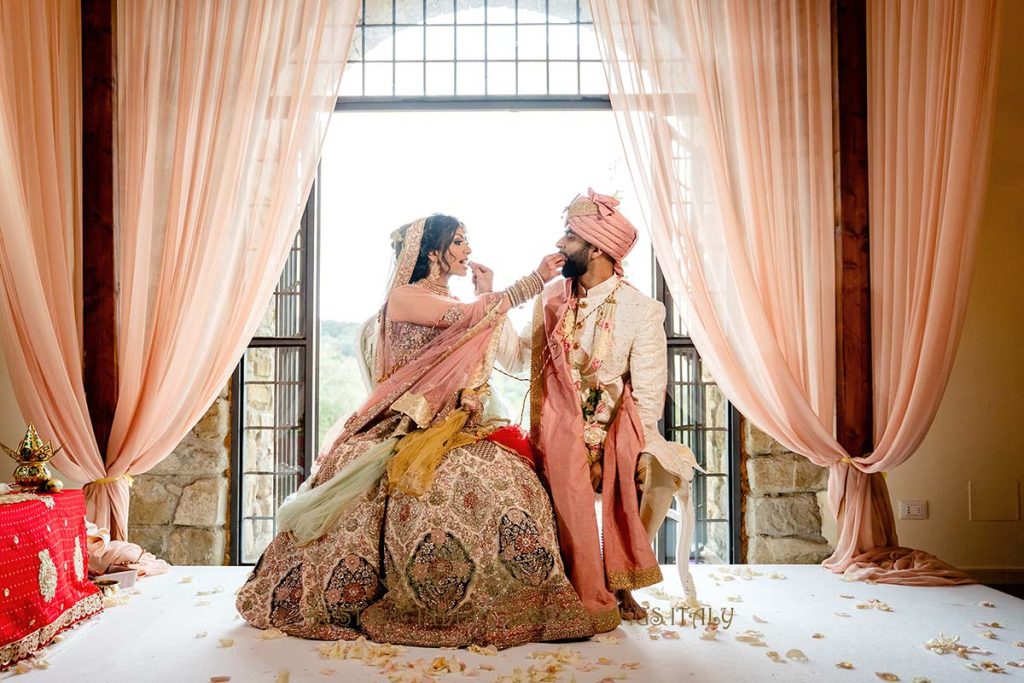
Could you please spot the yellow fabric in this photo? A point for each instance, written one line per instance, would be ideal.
(111, 480)
(417, 455)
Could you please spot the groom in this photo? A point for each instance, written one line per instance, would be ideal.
(598, 390)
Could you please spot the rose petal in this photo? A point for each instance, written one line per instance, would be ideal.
(886, 676)
(844, 665)
(759, 620)
(796, 655)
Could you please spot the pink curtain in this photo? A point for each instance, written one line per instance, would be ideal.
(725, 112)
(222, 109)
(40, 224)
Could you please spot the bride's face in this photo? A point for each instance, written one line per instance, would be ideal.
(458, 253)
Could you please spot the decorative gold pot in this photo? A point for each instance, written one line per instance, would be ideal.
(32, 456)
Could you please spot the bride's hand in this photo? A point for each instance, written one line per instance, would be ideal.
(483, 278)
(550, 266)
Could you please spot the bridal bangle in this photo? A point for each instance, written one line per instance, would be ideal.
(524, 289)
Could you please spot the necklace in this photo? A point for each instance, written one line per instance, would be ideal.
(433, 287)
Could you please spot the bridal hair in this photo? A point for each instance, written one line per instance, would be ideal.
(438, 235)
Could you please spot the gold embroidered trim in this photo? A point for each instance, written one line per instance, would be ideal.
(11, 498)
(632, 580)
(19, 649)
(606, 621)
(416, 407)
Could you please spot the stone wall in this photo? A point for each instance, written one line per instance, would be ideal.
(179, 509)
(784, 503)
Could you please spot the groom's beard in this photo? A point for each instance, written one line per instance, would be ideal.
(576, 264)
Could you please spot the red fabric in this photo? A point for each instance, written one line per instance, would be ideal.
(516, 440)
(31, 532)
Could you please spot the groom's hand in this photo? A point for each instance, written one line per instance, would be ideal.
(596, 475)
(483, 278)
(550, 266)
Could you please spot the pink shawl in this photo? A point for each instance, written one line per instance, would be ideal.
(557, 432)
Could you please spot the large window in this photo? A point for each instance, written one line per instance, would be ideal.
(273, 398)
(496, 112)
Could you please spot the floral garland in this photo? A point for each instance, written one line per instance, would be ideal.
(595, 401)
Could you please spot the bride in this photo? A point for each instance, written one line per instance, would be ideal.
(424, 523)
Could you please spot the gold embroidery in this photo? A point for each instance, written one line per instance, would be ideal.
(11, 498)
(47, 576)
(41, 637)
(78, 560)
(415, 406)
(605, 621)
(632, 580)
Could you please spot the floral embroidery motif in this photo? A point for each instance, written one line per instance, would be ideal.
(408, 339)
(452, 316)
(78, 560)
(47, 576)
(353, 585)
(440, 571)
(285, 600)
(522, 550)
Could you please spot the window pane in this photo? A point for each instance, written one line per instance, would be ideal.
(378, 11)
(283, 317)
(355, 54)
(409, 79)
(440, 43)
(409, 43)
(592, 79)
(501, 42)
(532, 11)
(533, 77)
(469, 12)
(469, 42)
(470, 78)
(564, 78)
(272, 440)
(409, 12)
(379, 46)
(501, 78)
(440, 11)
(532, 42)
(378, 78)
(562, 42)
(440, 79)
(563, 11)
(588, 44)
(716, 451)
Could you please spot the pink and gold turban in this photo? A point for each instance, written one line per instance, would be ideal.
(595, 219)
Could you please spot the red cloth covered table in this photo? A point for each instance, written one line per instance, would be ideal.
(44, 571)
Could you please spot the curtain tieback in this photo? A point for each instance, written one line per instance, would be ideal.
(849, 461)
(111, 480)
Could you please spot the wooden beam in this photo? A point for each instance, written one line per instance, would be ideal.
(854, 428)
(99, 70)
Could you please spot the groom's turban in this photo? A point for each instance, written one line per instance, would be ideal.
(595, 219)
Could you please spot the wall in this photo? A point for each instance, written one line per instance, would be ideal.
(976, 433)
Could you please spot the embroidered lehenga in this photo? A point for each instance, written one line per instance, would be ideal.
(420, 526)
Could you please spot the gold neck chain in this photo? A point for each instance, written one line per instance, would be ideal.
(433, 287)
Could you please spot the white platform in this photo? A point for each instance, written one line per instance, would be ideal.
(157, 636)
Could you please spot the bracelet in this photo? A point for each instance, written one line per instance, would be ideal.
(525, 288)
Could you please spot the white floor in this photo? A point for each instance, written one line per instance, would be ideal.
(183, 627)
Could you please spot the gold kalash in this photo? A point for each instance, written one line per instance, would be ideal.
(32, 472)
